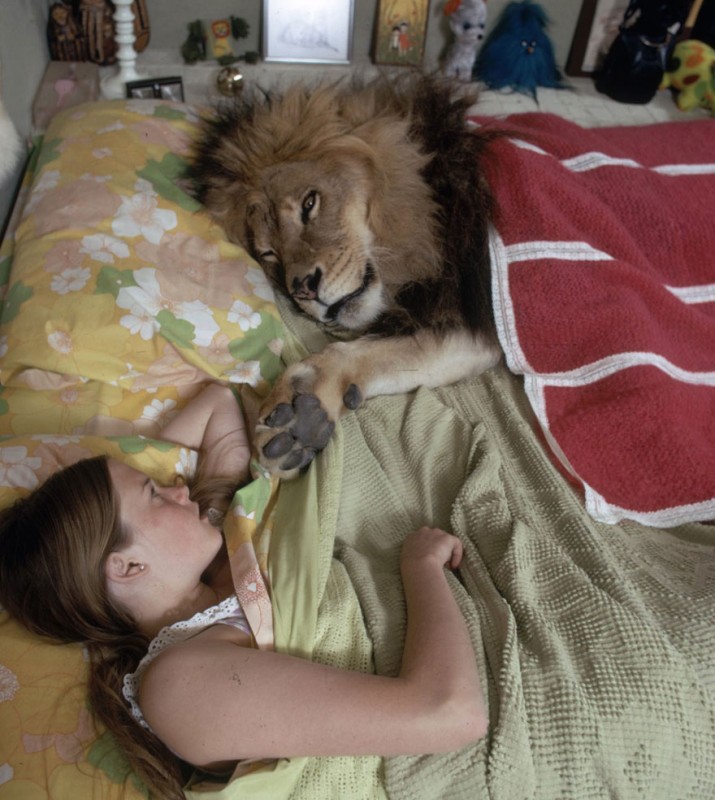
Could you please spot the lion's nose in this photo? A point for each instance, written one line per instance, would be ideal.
(306, 288)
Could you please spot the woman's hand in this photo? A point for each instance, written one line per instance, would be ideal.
(431, 544)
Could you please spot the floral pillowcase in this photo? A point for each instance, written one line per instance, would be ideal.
(120, 280)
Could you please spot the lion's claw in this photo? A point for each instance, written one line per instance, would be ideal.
(299, 459)
(281, 415)
(279, 445)
(353, 397)
(294, 433)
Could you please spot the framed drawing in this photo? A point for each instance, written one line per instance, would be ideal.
(400, 31)
(313, 31)
(596, 28)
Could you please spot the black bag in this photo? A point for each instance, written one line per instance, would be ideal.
(633, 67)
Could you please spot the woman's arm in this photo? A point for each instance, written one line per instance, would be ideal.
(212, 701)
(213, 424)
(447, 668)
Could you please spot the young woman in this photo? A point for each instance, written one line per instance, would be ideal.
(111, 558)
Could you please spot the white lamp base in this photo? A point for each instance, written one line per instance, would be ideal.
(114, 86)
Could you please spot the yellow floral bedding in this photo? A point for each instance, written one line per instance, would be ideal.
(120, 299)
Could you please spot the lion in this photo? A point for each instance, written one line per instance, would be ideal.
(364, 203)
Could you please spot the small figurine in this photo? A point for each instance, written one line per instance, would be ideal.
(467, 19)
(194, 48)
(64, 35)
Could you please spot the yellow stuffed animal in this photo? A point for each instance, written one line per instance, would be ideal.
(691, 73)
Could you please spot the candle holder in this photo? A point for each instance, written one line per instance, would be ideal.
(114, 86)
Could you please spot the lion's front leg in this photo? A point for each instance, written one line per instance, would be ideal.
(297, 419)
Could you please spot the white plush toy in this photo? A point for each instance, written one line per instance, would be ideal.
(10, 144)
(467, 19)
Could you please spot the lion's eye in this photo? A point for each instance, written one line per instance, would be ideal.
(268, 255)
(310, 203)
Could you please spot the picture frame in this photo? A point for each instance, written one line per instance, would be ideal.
(596, 28)
(170, 88)
(401, 32)
(312, 31)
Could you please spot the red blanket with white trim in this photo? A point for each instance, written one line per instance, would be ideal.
(603, 258)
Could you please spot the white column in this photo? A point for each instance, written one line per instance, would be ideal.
(114, 86)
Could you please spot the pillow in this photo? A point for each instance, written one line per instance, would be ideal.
(118, 276)
(48, 740)
(56, 403)
(49, 743)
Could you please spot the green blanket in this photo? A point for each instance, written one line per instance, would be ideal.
(596, 643)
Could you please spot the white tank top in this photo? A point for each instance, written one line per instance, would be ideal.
(227, 612)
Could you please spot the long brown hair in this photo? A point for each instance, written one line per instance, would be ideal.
(53, 548)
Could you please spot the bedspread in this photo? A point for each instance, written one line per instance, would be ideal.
(596, 642)
(603, 257)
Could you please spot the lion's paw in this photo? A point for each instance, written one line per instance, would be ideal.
(292, 434)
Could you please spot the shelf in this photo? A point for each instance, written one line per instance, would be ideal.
(200, 79)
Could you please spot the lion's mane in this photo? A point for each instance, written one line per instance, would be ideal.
(429, 206)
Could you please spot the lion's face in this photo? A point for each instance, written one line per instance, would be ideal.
(307, 224)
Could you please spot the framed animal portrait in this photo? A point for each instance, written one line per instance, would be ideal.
(401, 31)
(596, 28)
(313, 31)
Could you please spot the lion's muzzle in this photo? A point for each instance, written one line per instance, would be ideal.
(352, 311)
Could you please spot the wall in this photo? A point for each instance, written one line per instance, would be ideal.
(23, 55)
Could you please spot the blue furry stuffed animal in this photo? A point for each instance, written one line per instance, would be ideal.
(518, 53)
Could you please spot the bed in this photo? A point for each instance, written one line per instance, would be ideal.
(589, 593)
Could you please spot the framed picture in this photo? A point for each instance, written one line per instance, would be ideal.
(400, 32)
(157, 88)
(313, 31)
(596, 28)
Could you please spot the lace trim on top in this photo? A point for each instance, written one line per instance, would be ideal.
(228, 612)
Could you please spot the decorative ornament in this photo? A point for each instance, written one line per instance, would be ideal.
(84, 30)
(230, 81)
(217, 39)
(64, 34)
(114, 86)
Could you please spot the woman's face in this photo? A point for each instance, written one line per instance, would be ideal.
(167, 534)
